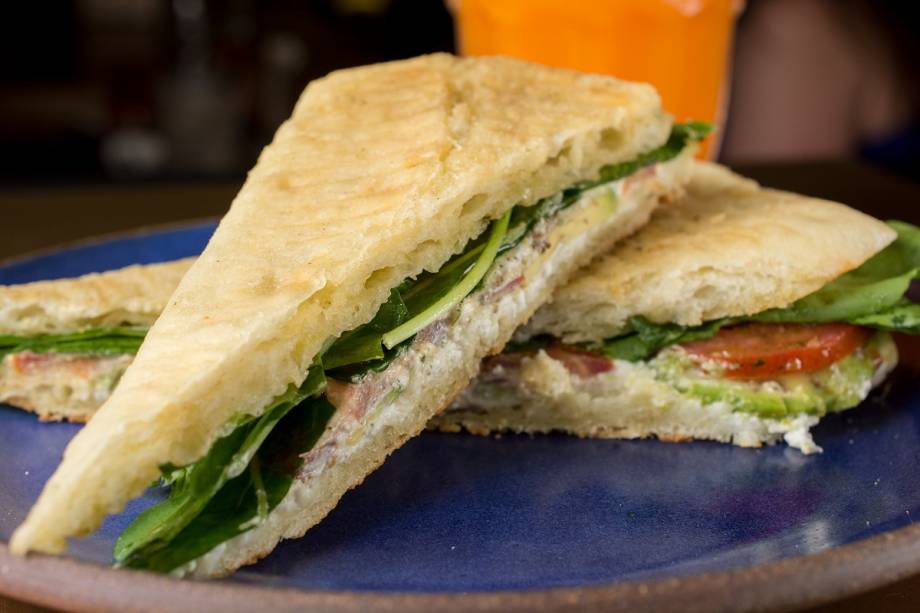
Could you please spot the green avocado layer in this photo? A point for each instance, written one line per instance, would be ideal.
(840, 386)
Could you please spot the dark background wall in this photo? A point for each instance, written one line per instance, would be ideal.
(114, 90)
(108, 89)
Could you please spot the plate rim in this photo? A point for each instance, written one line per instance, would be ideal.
(813, 579)
(99, 239)
(833, 574)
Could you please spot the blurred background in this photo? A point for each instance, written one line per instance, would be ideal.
(105, 91)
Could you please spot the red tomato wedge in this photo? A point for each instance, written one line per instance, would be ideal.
(763, 351)
(577, 361)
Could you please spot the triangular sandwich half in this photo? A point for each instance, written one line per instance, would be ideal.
(739, 314)
(402, 224)
(65, 343)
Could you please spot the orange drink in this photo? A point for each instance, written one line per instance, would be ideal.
(682, 47)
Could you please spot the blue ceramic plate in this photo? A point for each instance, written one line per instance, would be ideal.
(455, 513)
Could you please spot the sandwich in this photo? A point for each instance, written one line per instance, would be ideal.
(64, 344)
(739, 314)
(51, 384)
(402, 224)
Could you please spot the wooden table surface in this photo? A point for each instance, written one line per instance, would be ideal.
(37, 218)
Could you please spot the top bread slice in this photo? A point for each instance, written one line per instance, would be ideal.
(729, 248)
(131, 296)
(382, 172)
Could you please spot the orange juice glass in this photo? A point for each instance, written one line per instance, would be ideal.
(682, 47)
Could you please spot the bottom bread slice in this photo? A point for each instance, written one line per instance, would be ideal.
(378, 414)
(59, 386)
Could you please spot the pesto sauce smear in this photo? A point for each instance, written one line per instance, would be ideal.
(248, 472)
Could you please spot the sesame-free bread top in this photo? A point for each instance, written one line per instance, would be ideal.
(132, 296)
(382, 172)
(729, 248)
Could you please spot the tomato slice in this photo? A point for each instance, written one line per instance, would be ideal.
(577, 361)
(763, 351)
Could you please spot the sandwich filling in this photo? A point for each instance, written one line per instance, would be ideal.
(784, 367)
(248, 472)
(66, 376)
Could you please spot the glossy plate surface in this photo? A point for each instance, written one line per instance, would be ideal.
(456, 513)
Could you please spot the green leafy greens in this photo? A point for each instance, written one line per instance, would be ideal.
(871, 295)
(454, 295)
(195, 486)
(411, 307)
(524, 218)
(248, 472)
(96, 341)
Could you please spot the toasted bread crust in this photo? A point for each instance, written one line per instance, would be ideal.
(132, 296)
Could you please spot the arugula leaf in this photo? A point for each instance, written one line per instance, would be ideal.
(421, 293)
(871, 295)
(363, 343)
(365, 349)
(234, 509)
(438, 308)
(877, 285)
(524, 218)
(682, 134)
(649, 338)
(199, 483)
(903, 316)
(95, 341)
